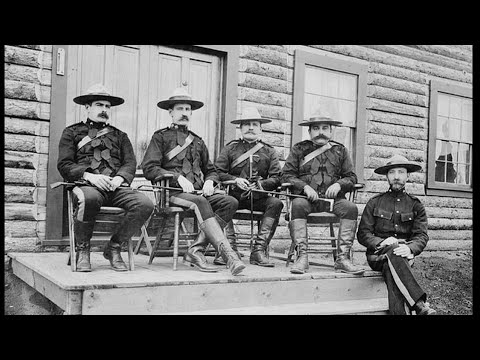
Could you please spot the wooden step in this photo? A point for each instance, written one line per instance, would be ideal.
(346, 307)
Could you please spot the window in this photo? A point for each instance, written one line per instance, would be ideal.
(450, 140)
(339, 87)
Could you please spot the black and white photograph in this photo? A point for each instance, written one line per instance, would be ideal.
(238, 179)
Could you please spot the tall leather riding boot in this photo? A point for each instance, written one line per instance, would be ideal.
(346, 234)
(258, 255)
(112, 253)
(195, 254)
(298, 233)
(216, 237)
(231, 237)
(83, 233)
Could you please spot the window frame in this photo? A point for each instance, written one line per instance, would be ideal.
(433, 187)
(304, 58)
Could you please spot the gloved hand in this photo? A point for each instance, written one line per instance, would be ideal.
(332, 191)
(242, 183)
(185, 184)
(310, 193)
(208, 188)
(403, 250)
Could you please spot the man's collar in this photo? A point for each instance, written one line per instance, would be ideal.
(183, 128)
(96, 124)
(250, 142)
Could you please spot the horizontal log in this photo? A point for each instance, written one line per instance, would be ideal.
(450, 51)
(387, 152)
(451, 235)
(25, 160)
(46, 48)
(450, 224)
(425, 57)
(396, 119)
(40, 195)
(447, 202)
(27, 143)
(278, 126)
(20, 228)
(267, 111)
(450, 213)
(27, 109)
(398, 72)
(28, 57)
(388, 140)
(19, 211)
(395, 107)
(395, 95)
(22, 244)
(26, 126)
(448, 245)
(373, 55)
(263, 83)
(268, 56)
(27, 91)
(261, 68)
(28, 74)
(20, 194)
(279, 48)
(25, 177)
(264, 97)
(275, 139)
(400, 131)
(397, 84)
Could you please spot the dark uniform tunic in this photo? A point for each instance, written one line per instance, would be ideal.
(111, 154)
(403, 216)
(332, 166)
(194, 164)
(265, 167)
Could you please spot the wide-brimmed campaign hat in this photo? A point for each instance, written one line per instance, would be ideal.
(250, 114)
(98, 92)
(397, 161)
(180, 96)
(320, 118)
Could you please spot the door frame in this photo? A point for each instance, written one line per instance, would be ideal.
(229, 56)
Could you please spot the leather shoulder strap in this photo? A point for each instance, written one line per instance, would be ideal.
(178, 149)
(245, 156)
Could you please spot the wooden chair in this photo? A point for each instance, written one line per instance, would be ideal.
(246, 215)
(106, 223)
(158, 223)
(319, 244)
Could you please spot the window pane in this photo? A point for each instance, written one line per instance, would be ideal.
(455, 107)
(464, 153)
(443, 128)
(454, 127)
(440, 171)
(463, 176)
(467, 110)
(443, 105)
(466, 131)
(343, 135)
(347, 112)
(443, 149)
(347, 87)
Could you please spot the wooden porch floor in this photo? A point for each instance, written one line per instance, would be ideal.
(82, 293)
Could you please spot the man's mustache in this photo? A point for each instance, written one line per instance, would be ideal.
(318, 137)
(103, 114)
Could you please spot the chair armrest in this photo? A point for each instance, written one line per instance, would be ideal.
(286, 185)
(359, 186)
(163, 177)
(227, 182)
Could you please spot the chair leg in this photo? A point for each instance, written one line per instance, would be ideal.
(157, 240)
(334, 242)
(131, 263)
(144, 237)
(175, 241)
(72, 259)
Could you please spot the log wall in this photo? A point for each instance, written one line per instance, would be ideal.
(398, 87)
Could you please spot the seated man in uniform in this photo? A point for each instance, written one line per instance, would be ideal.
(393, 228)
(103, 156)
(263, 173)
(178, 151)
(321, 168)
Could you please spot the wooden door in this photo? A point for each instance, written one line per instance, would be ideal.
(143, 75)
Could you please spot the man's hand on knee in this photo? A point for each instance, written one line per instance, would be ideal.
(403, 251)
(100, 181)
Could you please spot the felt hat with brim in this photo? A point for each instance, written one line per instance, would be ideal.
(98, 92)
(320, 118)
(250, 114)
(180, 96)
(397, 161)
